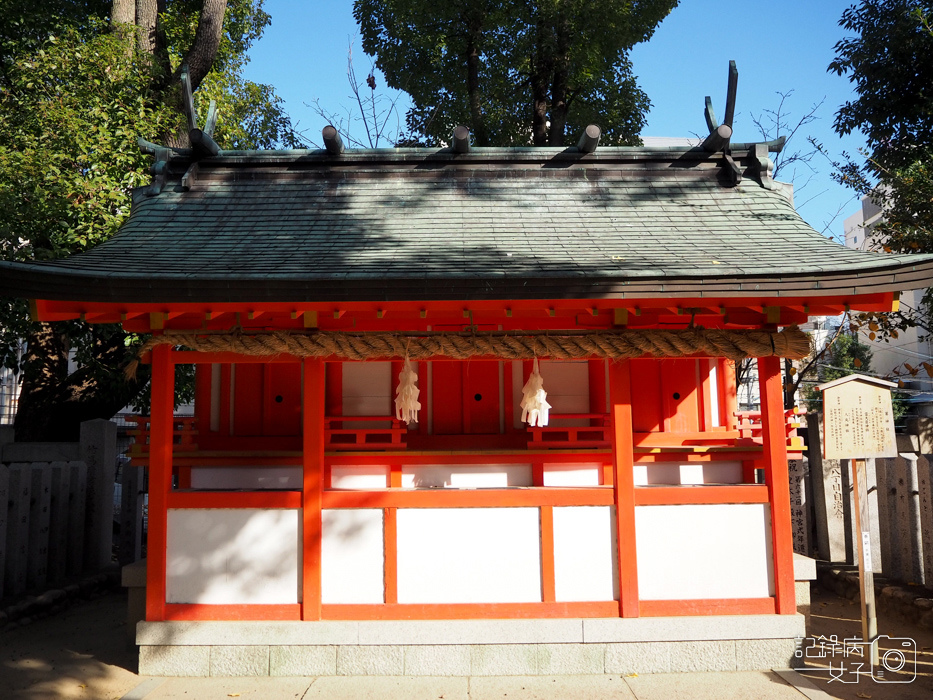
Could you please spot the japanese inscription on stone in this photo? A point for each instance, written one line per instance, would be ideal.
(858, 421)
(799, 509)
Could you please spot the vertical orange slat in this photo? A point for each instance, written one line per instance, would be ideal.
(623, 484)
(390, 539)
(647, 413)
(395, 476)
(226, 399)
(776, 477)
(160, 476)
(313, 471)
(267, 421)
(509, 404)
(537, 473)
(547, 554)
(597, 381)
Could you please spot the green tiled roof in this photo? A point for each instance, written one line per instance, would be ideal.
(496, 223)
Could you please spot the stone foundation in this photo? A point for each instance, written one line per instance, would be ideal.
(469, 647)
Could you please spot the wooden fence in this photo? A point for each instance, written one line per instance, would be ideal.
(57, 510)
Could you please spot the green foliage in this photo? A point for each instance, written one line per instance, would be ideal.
(889, 60)
(70, 114)
(74, 99)
(515, 73)
(890, 63)
(845, 356)
(251, 115)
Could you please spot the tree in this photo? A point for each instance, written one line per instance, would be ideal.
(516, 73)
(76, 91)
(843, 355)
(890, 63)
(374, 118)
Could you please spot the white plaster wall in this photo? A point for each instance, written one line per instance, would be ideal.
(722, 473)
(466, 476)
(704, 551)
(572, 474)
(362, 477)
(225, 556)
(674, 474)
(247, 478)
(567, 384)
(352, 556)
(469, 555)
(715, 419)
(367, 389)
(584, 549)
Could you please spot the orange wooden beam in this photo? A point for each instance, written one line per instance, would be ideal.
(234, 499)
(547, 553)
(312, 486)
(467, 611)
(623, 484)
(683, 495)
(726, 606)
(390, 555)
(161, 429)
(777, 480)
(468, 498)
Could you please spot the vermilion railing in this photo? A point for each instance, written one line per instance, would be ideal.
(183, 432)
(596, 434)
(749, 427)
(337, 437)
(388, 433)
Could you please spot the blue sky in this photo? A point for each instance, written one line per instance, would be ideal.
(778, 46)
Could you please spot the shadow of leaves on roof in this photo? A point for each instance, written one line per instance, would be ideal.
(457, 223)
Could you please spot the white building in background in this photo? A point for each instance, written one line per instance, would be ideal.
(911, 346)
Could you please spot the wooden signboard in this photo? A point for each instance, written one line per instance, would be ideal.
(858, 422)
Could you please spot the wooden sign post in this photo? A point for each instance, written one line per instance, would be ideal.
(858, 423)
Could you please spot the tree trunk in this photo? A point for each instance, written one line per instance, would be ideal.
(199, 59)
(540, 71)
(200, 56)
(53, 404)
(559, 89)
(123, 22)
(147, 17)
(123, 13)
(477, 120)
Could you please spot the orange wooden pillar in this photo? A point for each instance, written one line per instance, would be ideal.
(160, 477)
(623, 484)
(312, 485)
(776, 477)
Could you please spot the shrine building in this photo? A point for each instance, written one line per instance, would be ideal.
(299, 526)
